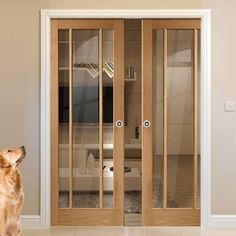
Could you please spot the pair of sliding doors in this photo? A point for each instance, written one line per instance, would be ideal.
(124, 122)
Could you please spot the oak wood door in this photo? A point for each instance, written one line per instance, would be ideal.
(170, 105)
(87, 115)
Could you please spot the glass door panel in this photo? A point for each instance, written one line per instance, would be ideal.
(63, 116)
(85, 96)
(158, 123)
(180, 113)
(107, 114)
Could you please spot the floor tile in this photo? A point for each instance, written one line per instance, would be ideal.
(57, 231)
(155, 231)
(191, 231)
(128, 231)
(197, 231)
(218, 232)
(102, 231)
(28, 232)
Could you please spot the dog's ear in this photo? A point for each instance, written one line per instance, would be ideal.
(3, 162)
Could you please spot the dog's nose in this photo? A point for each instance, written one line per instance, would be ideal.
(23, 149)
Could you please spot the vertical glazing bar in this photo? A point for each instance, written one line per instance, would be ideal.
(147, 142)
(70, 121)
(165, 118)
(100, 121)
(118, 114)
(195, 107)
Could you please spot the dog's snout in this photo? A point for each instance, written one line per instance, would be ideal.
(23, 149)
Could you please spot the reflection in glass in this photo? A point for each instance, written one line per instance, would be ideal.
(180, 119)
(157, 119)
(85, 119)
(107, 85)
(63, 132)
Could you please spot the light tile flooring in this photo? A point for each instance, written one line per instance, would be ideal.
(128, 231)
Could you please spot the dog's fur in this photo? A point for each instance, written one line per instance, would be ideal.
(11, 191)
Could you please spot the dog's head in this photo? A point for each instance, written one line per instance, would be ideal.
(12, 158)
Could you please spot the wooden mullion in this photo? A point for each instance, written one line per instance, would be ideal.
(195, 107)
(70, 121)
(100, 120)
(118, 114)
(147, 142)
(165, 133)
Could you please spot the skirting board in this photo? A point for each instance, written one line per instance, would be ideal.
(30, 222)
(215, 221)
(222, 222)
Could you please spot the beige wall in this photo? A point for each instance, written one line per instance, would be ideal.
(223, 124)
(20, 87)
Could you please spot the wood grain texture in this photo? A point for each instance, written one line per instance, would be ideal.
(147, 149)
(86, 217)
(175, 217)
(165, 118)
(118, 108)
(177, 24)
(70, 120)
(163, 216)
(54, 121)
(88, 24)
(95, 216)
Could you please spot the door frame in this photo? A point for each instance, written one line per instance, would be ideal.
(45, 145)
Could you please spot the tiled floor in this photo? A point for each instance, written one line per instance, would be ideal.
(128, 231)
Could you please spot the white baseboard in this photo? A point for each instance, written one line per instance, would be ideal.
(222, 221)
(30, 222)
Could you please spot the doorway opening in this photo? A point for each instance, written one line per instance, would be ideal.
(163, 118)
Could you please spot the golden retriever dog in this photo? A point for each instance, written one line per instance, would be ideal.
(11, 191)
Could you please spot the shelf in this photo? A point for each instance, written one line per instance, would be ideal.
(180, 64)
(92, 68)
(89, 182)
(130, 80)
(94, 73)
(106, 79)
(108, 146)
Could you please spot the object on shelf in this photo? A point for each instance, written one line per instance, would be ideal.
(130, 72)
(126, 169)
(90, 164)
(140, 134)
(93, 69)
(136, 132)
(108, 67)
(82, 160)
(134, 141)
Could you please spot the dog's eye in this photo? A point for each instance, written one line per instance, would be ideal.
(8, 150)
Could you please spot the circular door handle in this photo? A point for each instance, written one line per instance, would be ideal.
(146, 123)
(119, 123)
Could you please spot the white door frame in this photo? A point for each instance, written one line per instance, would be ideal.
(204, 15)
